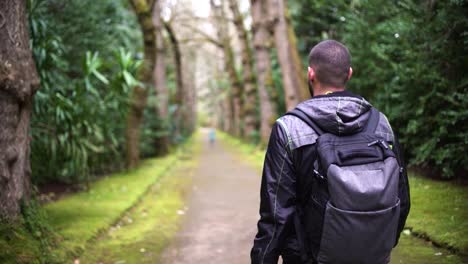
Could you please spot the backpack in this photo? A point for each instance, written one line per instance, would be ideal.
(351, 213)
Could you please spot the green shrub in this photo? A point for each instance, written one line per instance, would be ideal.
(409, 60)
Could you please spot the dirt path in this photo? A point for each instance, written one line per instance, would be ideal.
(222, 211)
(220, 222)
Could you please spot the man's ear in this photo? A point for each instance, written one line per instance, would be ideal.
(350, 73)
(311, 74)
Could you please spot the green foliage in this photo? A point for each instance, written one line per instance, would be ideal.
(409, 59)
(83, 52)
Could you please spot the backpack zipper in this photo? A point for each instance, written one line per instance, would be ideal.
(380, 142)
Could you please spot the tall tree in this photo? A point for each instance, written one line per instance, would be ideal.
(236, 90)
(138, 100)
(189, 96)
(179, 96)
(250, 86)
(294, 79)
(162, 143)
(262, 40)
(18, 82)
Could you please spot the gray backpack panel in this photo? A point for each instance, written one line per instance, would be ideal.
(361, 215)
(359, 175)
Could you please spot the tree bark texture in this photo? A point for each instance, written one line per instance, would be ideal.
(179, 96)
(250, 85)
(236, 91)
(160, 83)
(294, 79)
(138, 99)
(227, 115)
(189, 113)
(262, 40)
(18, 82)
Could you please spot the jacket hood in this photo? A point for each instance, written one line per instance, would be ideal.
(339, 113)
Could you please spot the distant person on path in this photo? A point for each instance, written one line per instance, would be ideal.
(334, 185)
(212, 136)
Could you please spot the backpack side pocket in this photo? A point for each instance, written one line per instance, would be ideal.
(370, 241)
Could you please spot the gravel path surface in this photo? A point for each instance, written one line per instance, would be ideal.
(220, 222)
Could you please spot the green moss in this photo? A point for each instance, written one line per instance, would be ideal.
(17, 246)
(253, 154)
(146, 229)
(412, 250)
(79, 218)
(440, 211)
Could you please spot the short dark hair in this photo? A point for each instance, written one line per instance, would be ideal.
(331, 61)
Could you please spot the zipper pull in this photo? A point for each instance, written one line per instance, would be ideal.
(383, 144)
(317, 174)
(373, 143)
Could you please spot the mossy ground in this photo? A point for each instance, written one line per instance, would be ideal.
(17, 245)
(80, 218)
(144, 231)
(439, 209)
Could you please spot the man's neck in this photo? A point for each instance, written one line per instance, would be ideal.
(328, 90)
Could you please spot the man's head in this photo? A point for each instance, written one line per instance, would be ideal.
(329, 66)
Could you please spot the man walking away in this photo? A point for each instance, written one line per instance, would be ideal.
(334, 186)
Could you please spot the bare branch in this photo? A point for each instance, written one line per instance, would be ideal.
(204, 35)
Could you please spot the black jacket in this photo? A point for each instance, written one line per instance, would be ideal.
(287, 169)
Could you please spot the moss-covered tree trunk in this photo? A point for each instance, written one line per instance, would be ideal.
(250, 85)
(189, 112)
(179, 96)
(262, 40)
(18, 82)
(138, 99)
(227, 115)
(236, 90)
(293, 74)
(162, 93)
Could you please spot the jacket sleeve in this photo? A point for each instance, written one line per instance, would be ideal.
(277, 200)
(404, 190)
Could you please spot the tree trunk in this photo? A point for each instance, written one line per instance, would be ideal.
(143, 10)
(250, 86)
(262, 43)
(294, 79)
(162, 108)
(189, 95)
(227, 113)
(18, 82)
(179, 79)
(236, 91)
(226, 116)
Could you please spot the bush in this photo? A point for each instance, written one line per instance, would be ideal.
(83, 52)
(409, 60)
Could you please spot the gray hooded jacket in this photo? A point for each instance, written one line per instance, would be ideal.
(287, 169)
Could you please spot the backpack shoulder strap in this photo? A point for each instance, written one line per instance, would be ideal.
(302, 116)
(373, 121)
